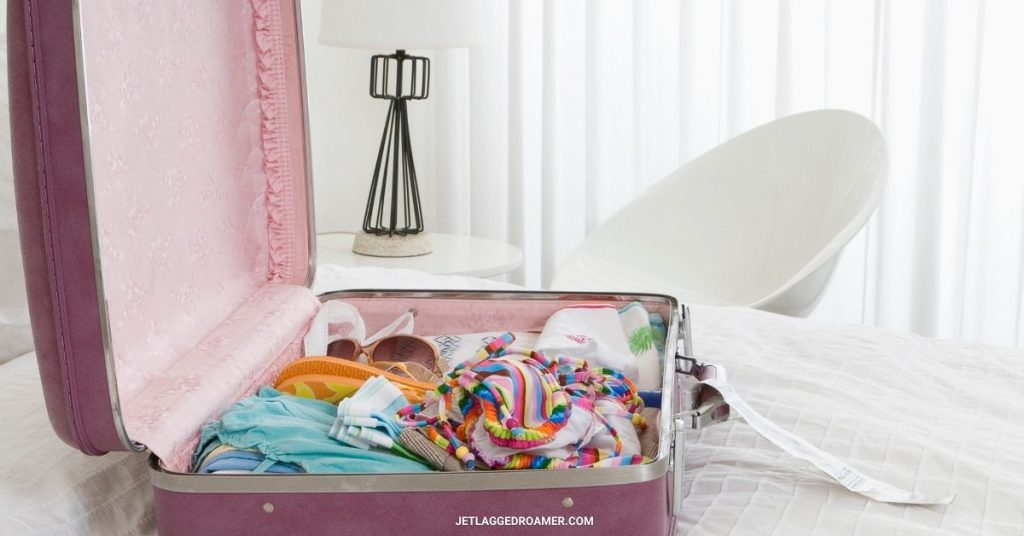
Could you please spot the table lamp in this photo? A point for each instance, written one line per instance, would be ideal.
(393, 221)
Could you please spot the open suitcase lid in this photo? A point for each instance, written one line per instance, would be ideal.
(165, 207)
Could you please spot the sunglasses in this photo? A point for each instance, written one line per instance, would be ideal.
(396, 350)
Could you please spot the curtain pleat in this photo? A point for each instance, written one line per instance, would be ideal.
(656, 102)
(700, 76)
(489, 155)
(992, 288)
(610, 108)
(928, 169)
(452, 142)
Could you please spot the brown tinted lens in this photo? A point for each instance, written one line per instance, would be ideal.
(398, 369)
(344, 348)
(407, 369)
(404, 348)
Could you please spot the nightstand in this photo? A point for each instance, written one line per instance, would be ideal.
(452, 255)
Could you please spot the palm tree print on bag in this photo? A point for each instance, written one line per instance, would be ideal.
(641, 340)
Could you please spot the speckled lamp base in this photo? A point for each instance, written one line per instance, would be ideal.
(392, 246)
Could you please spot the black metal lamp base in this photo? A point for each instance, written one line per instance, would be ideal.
(393, 207)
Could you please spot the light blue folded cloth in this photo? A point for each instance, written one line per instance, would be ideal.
(658, 325)
(296, 430)
(245, 460)
(367, 419)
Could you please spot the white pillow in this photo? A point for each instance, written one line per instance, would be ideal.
(50, 488)
(15, 333)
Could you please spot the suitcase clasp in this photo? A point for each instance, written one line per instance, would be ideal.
(691, 367)
(704, 404)
(713, 410)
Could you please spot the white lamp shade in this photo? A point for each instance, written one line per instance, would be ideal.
(404, 24)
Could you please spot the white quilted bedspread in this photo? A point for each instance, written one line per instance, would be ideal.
(929, 415)
(933, 416)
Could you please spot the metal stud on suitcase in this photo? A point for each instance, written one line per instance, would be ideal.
(164, 204)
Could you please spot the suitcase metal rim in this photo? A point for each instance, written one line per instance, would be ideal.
(676, 328)
(90, 189)
(81, 75)
(402, 482)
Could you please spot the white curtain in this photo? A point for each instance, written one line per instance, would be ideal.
(578, 105)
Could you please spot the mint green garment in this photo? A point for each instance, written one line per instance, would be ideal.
(296, 430)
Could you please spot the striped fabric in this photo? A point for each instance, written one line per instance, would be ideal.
(520, 409)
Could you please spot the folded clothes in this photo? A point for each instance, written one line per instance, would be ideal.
(593, 332)
(240, 460)
(213, 449)
(367, 418)
(660, 331)
(295, 430)
(643, 340)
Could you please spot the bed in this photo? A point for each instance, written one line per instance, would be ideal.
(933, 416)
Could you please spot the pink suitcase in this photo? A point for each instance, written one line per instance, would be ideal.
(164, 201)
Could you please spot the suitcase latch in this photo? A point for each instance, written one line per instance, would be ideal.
(691, 367)
(711, 411)
(687, 365)
(705, 404)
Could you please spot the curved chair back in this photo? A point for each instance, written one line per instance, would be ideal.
(757, 221)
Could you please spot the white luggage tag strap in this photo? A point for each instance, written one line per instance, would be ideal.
(716, 408)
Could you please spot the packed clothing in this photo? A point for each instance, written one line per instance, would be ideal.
(579, 392)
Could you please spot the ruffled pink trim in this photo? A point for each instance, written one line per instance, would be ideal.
(274, 131)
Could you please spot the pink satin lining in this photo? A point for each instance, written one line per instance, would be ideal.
(197, 148)
(181, 459)
(466, 315)
(224, 367)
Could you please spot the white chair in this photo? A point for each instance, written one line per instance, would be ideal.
(758, 221)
